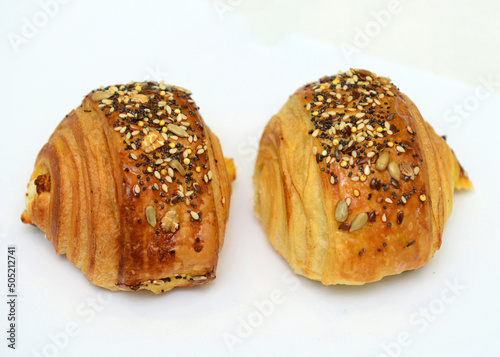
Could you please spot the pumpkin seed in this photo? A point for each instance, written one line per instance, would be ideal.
(391, 116)
(151, 215)
(177, 130)
(99, 95)
(359, 222)
(177, 165)
(382, 161)
(394, 170)
(342, 211)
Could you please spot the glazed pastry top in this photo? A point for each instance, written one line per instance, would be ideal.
(368, 142)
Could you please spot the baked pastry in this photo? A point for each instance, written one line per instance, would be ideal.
(351, 183)
(132, 186)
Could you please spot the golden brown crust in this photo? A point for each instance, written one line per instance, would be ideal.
(130, 157)
(322, 148)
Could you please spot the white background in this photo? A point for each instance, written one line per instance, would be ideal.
(242, 59)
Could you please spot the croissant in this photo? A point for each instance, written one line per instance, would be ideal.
(351, 183)
(132, 186)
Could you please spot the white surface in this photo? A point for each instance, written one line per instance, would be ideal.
(459, 39)
(239, 81)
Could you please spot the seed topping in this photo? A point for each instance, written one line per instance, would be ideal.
(394, 170)
(165, 145)
(359, 222)
(382, 161)
(342, 211)
(151, 215)
(360, 135)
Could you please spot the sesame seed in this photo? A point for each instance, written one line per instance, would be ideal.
(195, 215)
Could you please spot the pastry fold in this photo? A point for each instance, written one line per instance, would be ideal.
(133, 187)
(351, 183)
